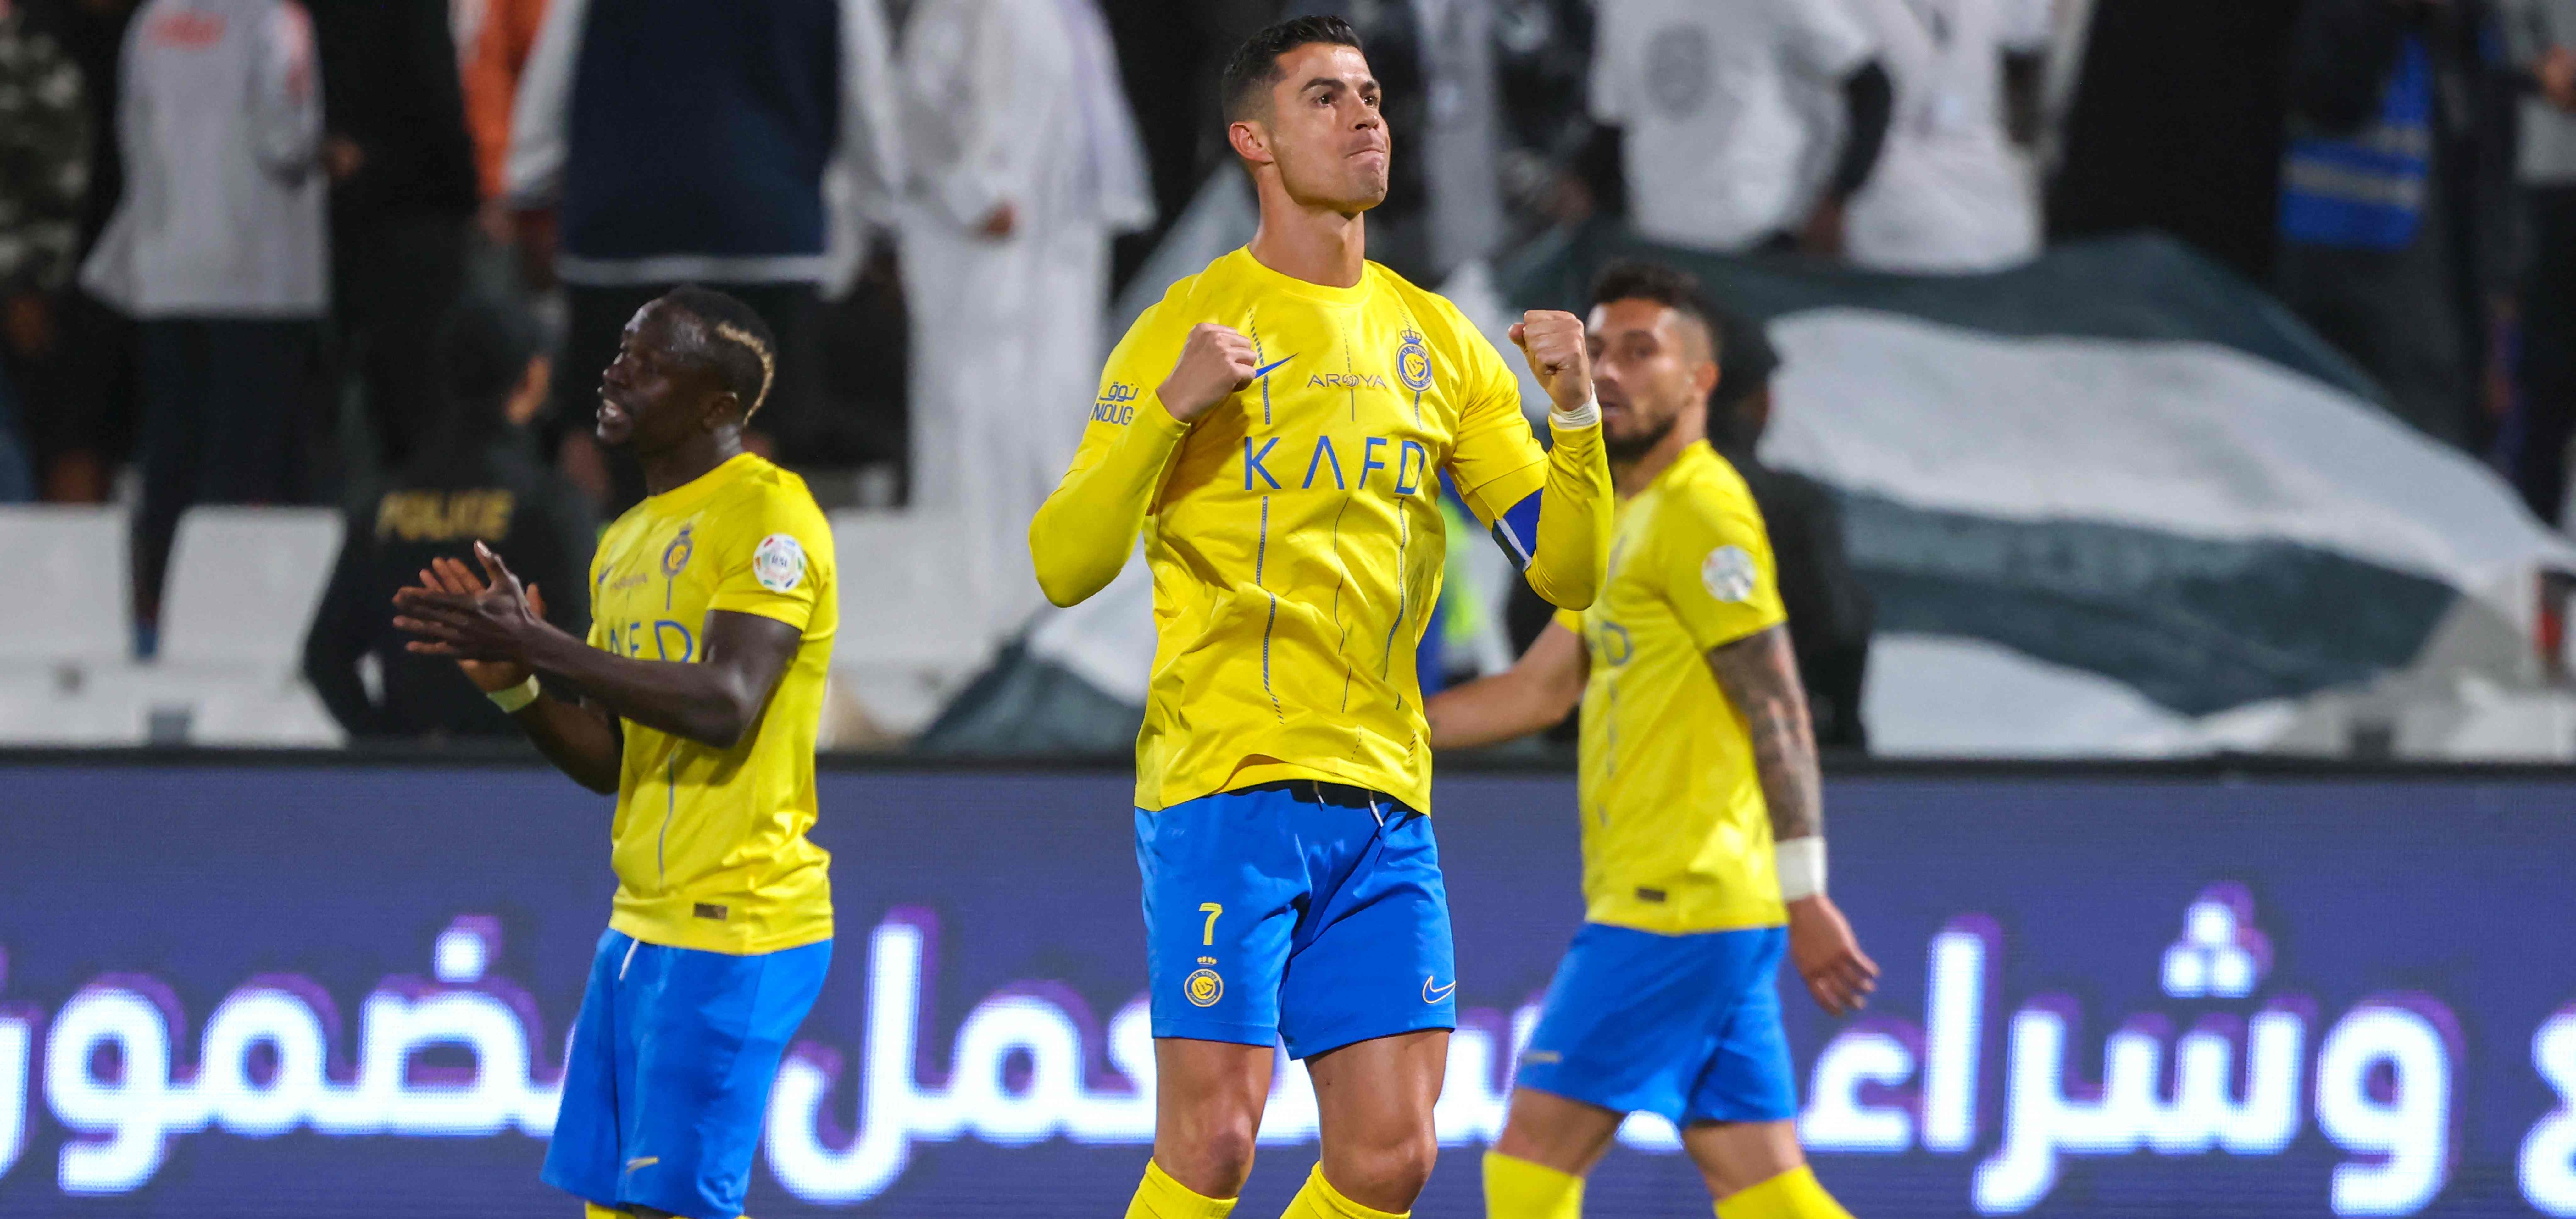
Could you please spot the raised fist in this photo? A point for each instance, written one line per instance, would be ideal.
(1553, 343)
(1215, 364)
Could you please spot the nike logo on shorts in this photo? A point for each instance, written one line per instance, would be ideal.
(1434, 994)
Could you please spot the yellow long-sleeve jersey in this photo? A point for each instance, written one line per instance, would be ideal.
(1294, 530)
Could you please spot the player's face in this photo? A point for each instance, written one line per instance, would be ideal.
(1650, 366)
(1324, 130)
(655, 392)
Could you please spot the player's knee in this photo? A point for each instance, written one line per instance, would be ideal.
(1213, 1155)
(1388, 1174)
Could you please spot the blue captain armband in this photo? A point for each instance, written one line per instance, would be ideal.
(1516, 531)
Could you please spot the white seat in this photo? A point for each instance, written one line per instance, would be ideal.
(268, 716)
(177, 702)
(911, 633)
(75, 561)
(38, 708)
(903, 598)
(243, 583)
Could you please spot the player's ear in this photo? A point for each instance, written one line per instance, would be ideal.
(723, 407)
(1249, 140)
(1705, 378)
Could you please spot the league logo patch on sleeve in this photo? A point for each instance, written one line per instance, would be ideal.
(778, 563)
(1728, 573)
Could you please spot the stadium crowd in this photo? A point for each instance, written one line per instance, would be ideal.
(373, 253)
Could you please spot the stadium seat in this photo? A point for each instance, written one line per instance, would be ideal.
(906, 642)
(241, 590)
(243, 583)
(54, 648)
(78, 557)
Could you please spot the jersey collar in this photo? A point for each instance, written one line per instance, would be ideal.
(1279, 281)
(694, 492)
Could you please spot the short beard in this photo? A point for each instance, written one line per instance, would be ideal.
(1629, 450)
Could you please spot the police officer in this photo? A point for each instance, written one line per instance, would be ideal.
(483, 482)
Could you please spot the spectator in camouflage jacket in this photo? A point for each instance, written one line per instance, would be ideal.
(44, 177)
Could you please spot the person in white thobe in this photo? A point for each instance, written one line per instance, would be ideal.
(1951, 193)
(1748, 124)
(1027, 163)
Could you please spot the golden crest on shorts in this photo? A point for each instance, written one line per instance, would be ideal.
(1204, 988)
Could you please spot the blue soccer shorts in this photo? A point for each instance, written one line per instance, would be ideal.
(669, 1072)
(1686, 1026)
(1306, 913)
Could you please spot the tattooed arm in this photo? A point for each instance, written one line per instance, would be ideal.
(1759, 674)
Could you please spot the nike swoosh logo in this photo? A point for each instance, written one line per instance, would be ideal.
(1264, 371)
(642, 1162)
(1434, 994)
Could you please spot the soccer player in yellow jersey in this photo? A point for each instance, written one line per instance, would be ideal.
(713, 606)
(1699, 800)
(1276, 427)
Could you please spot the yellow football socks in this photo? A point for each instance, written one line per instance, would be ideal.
(1319, 1200)
(593, 1210)
(1524, 1189)
(1791, 1195)
(1158, 1196)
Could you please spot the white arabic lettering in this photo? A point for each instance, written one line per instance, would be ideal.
(2548, 1161)
(1030, 1063)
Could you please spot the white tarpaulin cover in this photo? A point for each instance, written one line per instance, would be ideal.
(2112, 503)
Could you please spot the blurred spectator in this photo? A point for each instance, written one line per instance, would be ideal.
(17, 483)
(2542, 37)
(689, 141)
(77, 389)
(482, 482)
(1831, 614)
(1170, 53)
(402, 195)
(494, 39)
(1027, 164)
(218, 249)
(2382, 206)
(1952, 193)
(1721, 112)
(1543, 54)
(2173, 123)
(44, 178)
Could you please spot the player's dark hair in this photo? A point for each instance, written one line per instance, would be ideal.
(484, 346)
(738, 343)
(1255, 66)
(1750, 360)
(1631, 279)
(483, 349)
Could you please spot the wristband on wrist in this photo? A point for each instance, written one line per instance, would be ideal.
(1582, 416)
(1801, 865)
(511, 698)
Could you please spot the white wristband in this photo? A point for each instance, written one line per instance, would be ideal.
(511, 698)
(1801, 865)
(1582, 416)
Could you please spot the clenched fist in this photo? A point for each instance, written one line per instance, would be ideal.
(1215, 364)
(1553, 343)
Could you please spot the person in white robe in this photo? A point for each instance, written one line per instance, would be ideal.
(1026, 164)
